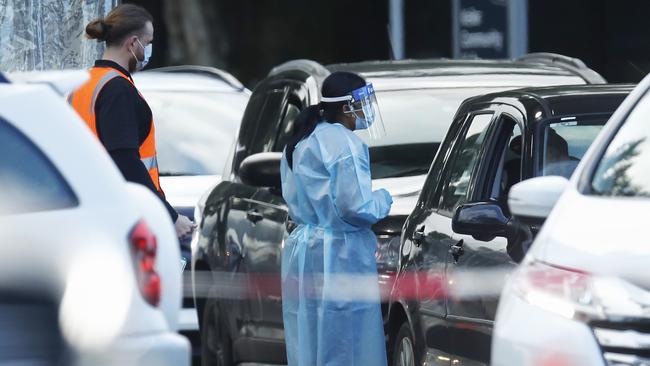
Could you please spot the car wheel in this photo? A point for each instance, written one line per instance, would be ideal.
(403, 347)
(216, 347)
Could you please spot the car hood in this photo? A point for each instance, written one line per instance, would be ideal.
(405, 192)
(185, 190)
(600, 235)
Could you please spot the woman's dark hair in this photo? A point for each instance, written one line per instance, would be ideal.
(337, 84)
(121, 22)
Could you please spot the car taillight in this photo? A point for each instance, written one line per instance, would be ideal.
(143, 248)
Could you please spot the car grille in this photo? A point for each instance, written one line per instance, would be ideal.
(625, 343)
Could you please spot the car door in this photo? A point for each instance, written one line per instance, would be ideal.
(268, 214)
(476, 268)
(429, 229)
(229, 215)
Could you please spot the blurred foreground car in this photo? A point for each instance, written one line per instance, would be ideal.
(236, 254)
(582, 295)
(197, 111)
(89, 269)
(460, 241)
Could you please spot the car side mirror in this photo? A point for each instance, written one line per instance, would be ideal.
(536, 197)
(482, 220)
(261, 170)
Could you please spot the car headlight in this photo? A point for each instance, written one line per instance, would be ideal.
(387, 253)
(579, 295)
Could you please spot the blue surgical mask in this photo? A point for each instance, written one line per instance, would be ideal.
(360, 123)
(148, 51)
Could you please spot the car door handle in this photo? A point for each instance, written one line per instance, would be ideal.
(418, 236)
(457, 250)
(254, 216)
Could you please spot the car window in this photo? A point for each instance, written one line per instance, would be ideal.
(506, 162)
(29, 182)
(566, 142)
(429, 192)
(456, 185)
(194, 130)
(623, 169)
(286, 127)
(259, 124)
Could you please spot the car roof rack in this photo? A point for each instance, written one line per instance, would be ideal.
(203, 70)
(570, 64)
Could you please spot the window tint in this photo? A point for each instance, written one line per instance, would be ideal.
(270, 120)
(286, 128)
(429, 191)
(623, 170)
(565, 143)
(455, 189)
(259, 125)
(507, 170)
(28, 180)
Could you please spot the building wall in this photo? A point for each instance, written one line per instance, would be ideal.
(249, 37)
(48, 34)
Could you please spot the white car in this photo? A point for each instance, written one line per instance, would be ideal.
(89, 268)
(582, 294)
(197, 111)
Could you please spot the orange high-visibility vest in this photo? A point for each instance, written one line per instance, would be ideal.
(83, 101)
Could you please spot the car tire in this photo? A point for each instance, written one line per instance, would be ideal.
(403, 347)
(216, 346)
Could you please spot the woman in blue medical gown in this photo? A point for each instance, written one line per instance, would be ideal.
(331, 303)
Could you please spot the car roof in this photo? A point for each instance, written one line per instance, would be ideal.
(160, 81)
(188, 78)
(555, 101)
(531, 70)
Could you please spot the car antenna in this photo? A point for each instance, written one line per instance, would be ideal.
(638, 69)
(391, 50)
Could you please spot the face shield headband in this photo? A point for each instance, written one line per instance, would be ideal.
(363, 104)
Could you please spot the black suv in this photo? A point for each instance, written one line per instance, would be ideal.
(243, 222)
(461, 230)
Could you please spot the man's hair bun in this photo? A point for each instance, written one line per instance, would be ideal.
(97, 29)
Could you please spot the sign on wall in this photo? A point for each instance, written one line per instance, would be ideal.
(489, 28)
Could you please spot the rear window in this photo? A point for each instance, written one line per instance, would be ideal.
(29, 182)
(623, 170)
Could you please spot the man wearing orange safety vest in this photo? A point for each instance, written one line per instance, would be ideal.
(112, 107)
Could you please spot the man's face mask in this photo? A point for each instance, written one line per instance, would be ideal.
(140, 64)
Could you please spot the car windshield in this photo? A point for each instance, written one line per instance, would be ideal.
(623, 169)
(194, 130)
(566, 141)
(416, 122)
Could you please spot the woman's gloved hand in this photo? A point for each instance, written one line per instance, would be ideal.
(384, 199)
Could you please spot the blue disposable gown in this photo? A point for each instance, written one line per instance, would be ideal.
(331, 308)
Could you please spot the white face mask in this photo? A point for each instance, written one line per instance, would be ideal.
(147, 55)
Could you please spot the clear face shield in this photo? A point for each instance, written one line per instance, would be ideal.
(362, 104)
